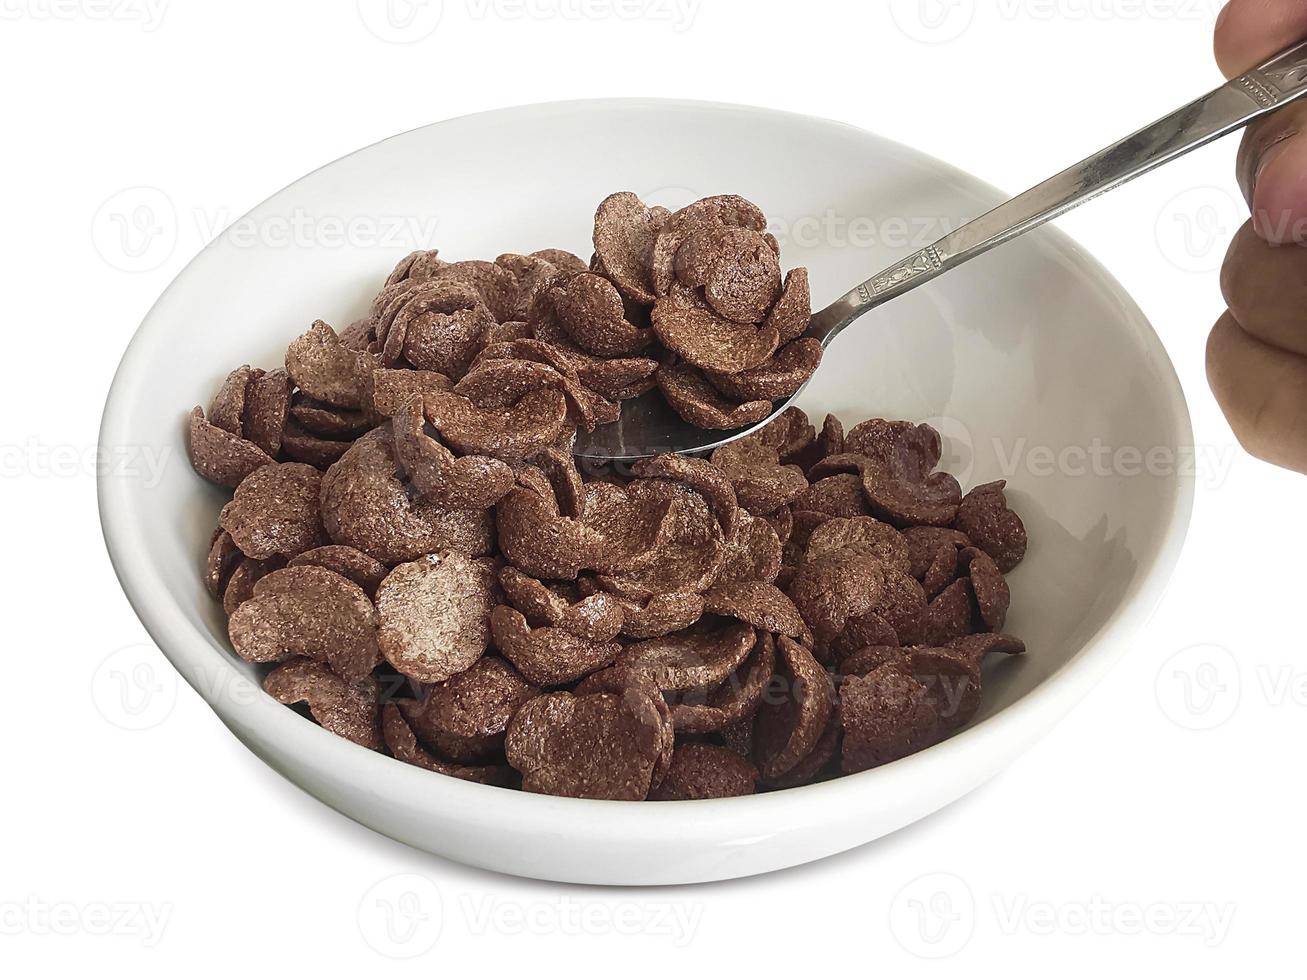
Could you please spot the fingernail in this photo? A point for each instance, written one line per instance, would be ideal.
(1222, 16)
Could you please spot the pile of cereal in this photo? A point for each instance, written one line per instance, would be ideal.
(411, 543)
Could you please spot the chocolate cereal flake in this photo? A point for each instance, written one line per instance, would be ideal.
(548, 656)
(995, 528)
(691, 329)
(725, 210)
(464, 718)
(761, 483)
(433, 615)
(348, 709)
(988, 586)
(590, 309)
(363, 570)
(690, 395)
(275, 511)
(307, 612)
(624, 234)
(472, 482)
(780, 376)
(792, 718)
(753, 552)
(324, 368)
(404, 746)
(760, 604)
(221, 456)
(689, 660)
(731, 702)
(793, 310)
(223, 558)
(885, 715)
(701, 771)
(600, 746)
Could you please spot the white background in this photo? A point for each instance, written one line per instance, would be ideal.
(138, 838)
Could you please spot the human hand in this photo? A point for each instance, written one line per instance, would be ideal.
(1257, 353)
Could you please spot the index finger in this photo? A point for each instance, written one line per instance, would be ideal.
(1248, 32)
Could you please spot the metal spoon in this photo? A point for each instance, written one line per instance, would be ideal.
(649, 427)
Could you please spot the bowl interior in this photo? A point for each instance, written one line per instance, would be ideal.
(1034, 364)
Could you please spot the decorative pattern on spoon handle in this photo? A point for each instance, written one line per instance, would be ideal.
(1280, 79)
(926, 262)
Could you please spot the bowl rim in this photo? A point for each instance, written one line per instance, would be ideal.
(985, 745)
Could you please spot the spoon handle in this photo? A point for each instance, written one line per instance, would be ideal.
(1234, 105)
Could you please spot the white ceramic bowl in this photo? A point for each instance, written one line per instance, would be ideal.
(1029, 353)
